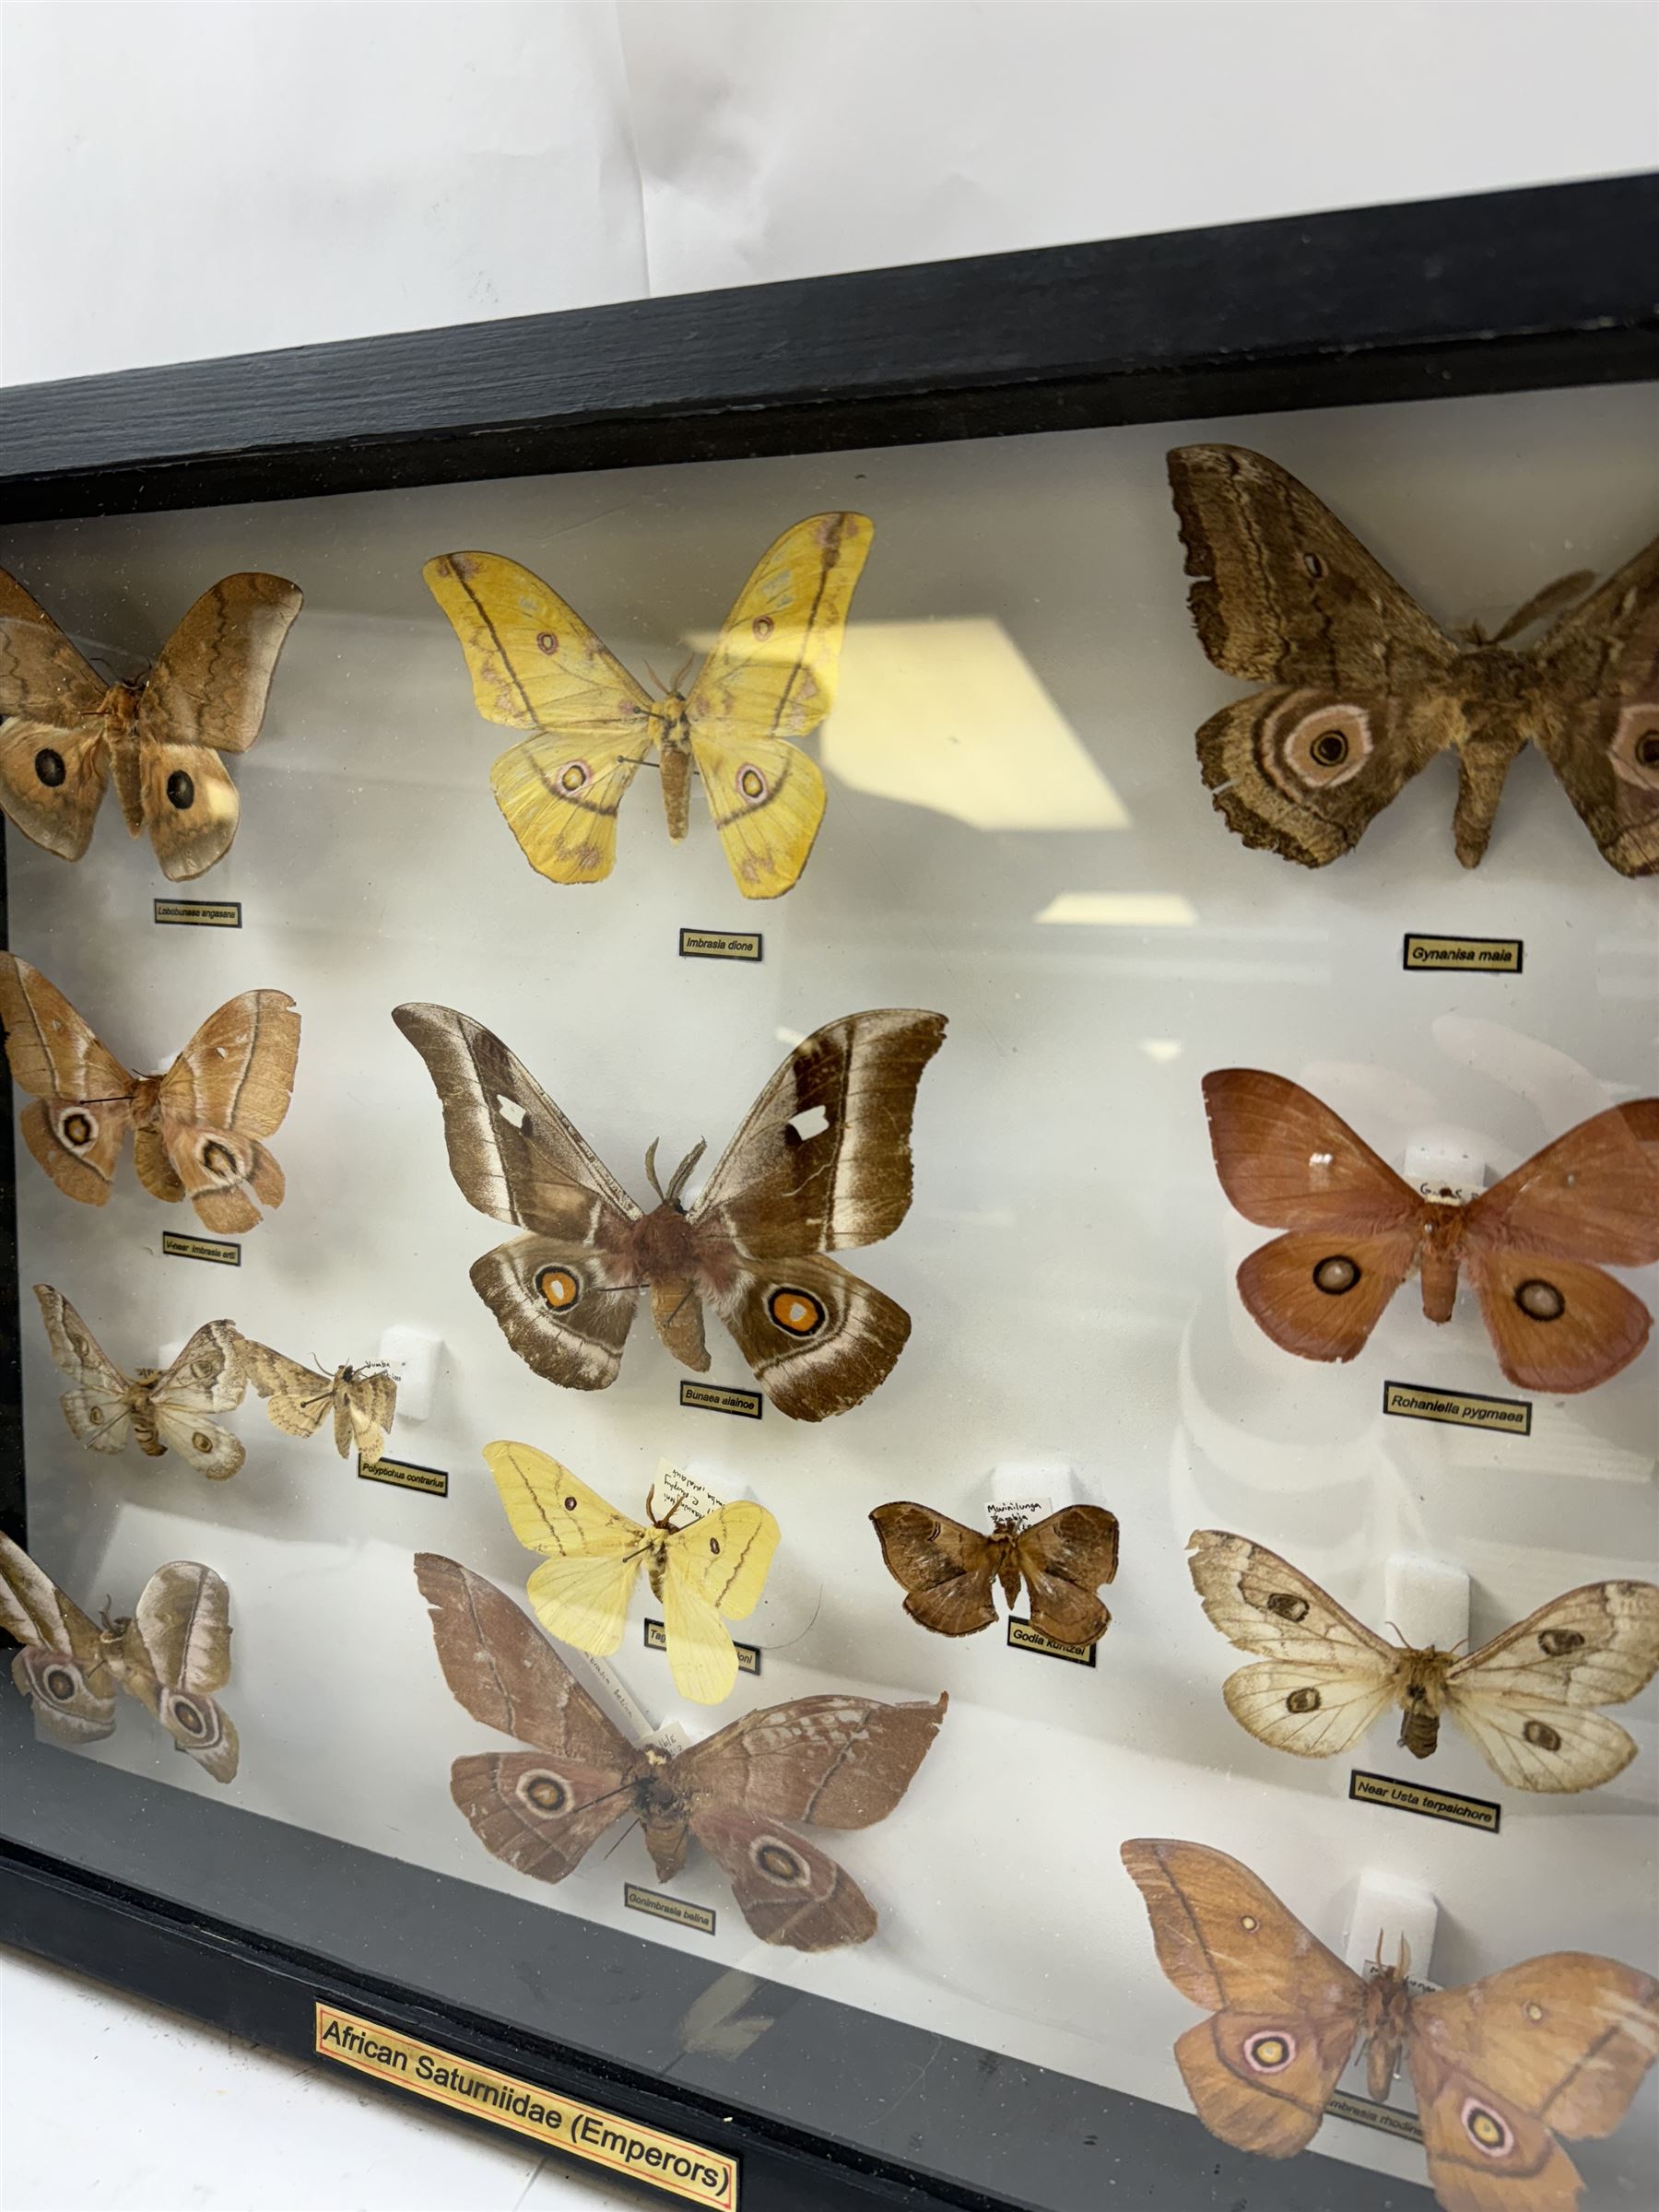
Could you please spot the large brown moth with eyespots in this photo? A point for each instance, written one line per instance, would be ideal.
(1555, 2047)
(1526, 1697)
(158, 1411)
(68, 729)
(821, 1162)
(171, 1654)
(948, 1570)
(1356, 1230)
(834, 1761)
(195, 1127)
(1364, 688)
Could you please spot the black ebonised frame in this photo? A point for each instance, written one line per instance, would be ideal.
(1505, 291)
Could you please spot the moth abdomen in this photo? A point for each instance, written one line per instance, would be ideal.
(1419, 1731)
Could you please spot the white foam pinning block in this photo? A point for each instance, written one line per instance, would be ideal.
(1036, 1486)
(1435, 1168)
(1427, 1601)
(413, 1356)
(1384, 1906)
(167, 1353)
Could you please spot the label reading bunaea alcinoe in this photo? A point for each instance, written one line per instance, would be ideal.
(719, 1397)
(671, 2163)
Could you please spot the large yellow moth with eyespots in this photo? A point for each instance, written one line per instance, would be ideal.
(536, 665)
(581, 1590)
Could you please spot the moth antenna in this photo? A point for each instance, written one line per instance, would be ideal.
(685, 1168)
(1377, 1961)
(624, 1836)
(1404, 1966)
(684, 670)
(651, 1172)
(1563, 592)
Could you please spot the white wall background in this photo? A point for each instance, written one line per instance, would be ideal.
(213, 176)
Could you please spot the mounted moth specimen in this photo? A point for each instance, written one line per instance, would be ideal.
(171, 1654)
(159, 1411)
(821, 1162)
(949, 1570)
(1555, 2047)
(1357, 1230)
(362, 1400)
(1364, 688)
(536, 665)
(712, 1568)
(832, 1761)
(1525, 1698)
(162, 737)
(195, 1128)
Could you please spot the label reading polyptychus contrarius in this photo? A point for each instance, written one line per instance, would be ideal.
(1384, 2117)
(199, 913)
(177, 1247)
(719, 1397)
(1416, 1798)
(749, 1657)
(1466, 956)
(1023, 1637)
(670, 2163)
(720, 944)
(404, 1474)
(1461, 1408)
(638, 1899)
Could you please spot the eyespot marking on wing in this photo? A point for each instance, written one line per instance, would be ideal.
(49, 768)
(796, 1311)
(1488, 2130)
(1270, 2050)
(1337, 1275)
(1634, 752)
(558, 1287)
(547, 1792)
(1540, 1301)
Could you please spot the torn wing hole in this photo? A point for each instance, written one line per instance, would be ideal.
(812, 1121)
(511, 1110)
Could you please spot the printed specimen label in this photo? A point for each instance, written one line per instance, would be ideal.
(404, 1474)
(1023, 1637)
(199, 913)
(716, 1398)
(1416, 1798)
(748, 1657)
(720, 944)
(1468, 955)
(700, 1917)
(1462, 1409)
(176, 1247)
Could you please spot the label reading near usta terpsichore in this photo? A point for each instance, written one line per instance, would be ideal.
(669, 2164)
(1396, 1797)
(1459, 1408)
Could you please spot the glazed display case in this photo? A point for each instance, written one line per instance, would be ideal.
(1096, 1629)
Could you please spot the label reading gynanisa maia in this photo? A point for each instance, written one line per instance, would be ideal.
(1462, 1408)
(1023, 1637)
(1468, 955)
(1384, 2117)
(404, 1474)
(749, 1657)
(720, 944)
(176, 1247)
(199, 913)
(670, 2163)
(1417, 1797)
(700, 1917)
(718, 1397)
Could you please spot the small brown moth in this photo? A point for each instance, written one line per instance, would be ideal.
(171, 1654)
(195, 1128)
(160, 1412)
(1526, 1698)
(821, 1162)
(160, 735)
(1365, 689)
(361, 1399)
(949, 1570)
(834, 1761)
(1554, 2047)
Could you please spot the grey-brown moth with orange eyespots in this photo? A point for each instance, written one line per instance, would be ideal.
(822, 1162)
(1555, 2047)
(1364, 688)
(171, 1654)
(195, 1127)
(837, 1761)
(67, 729)
(1526, 1697)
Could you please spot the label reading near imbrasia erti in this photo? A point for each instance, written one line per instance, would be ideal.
(720, 944)
(199, 913)
(700, 1917)
(405, 1476)
(1417, 1797)
(749, 1658)
(177, 1247)
(1023, 1637)
(1467, 955)
(670, 2163)
(1462, 1408)
(718, 1397)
